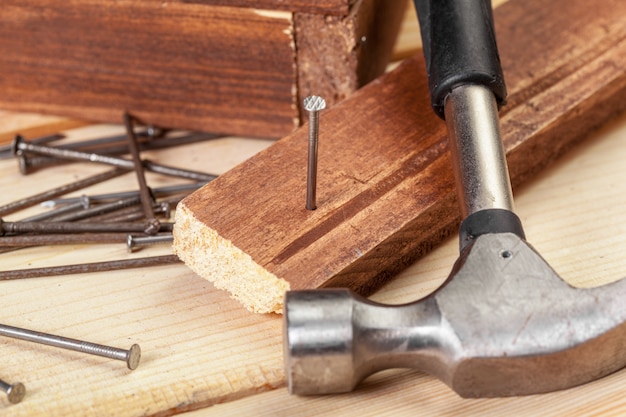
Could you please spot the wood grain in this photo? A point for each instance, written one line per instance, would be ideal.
(339, 54)
(191, 65)
(385, 188)
(328, 7)
(203, 350)
(172, 64)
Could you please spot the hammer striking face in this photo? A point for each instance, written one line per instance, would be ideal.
(503, 324)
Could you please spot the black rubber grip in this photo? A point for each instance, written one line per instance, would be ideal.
(489, 221)
(460, 47)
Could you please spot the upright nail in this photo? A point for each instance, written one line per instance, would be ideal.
(15, 392)
(130, 356)
(313, 104)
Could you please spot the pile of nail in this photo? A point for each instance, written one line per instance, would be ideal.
(135, 218)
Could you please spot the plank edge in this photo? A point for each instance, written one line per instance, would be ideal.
(227, 267)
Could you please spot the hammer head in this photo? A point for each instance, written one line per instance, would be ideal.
(504, 323)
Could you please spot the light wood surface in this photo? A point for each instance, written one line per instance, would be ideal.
(33, 125)
(201, 348)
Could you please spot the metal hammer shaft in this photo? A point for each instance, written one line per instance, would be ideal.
(478, 159)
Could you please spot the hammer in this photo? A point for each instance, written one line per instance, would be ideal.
(503, 323)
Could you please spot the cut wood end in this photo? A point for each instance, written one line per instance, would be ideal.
(217, 260)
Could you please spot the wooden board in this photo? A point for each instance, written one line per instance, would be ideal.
(328, 7)
(192, 65)
(203, 352)
(386, 193)
(201, 349)
(340, 45)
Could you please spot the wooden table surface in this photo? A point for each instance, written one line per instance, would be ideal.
(204, 355)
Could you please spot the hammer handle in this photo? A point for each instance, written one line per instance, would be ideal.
(460, 47)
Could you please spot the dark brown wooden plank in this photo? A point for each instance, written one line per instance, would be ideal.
(338, 54)
(386, 191)
(192, 65)
(213, 68)
(324, 7)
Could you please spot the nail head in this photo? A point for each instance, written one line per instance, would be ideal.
(314, 103)
(133, 357)
(16, 393)
(15, 146)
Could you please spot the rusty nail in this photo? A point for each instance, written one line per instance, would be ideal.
(70, 227)
(64, 189)
(134, 243)
(20, 145)
(89, 267)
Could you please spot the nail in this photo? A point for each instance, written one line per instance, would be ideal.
(15, 392)
(70, 227)
(132, 214)
(105, 146)
(83, 203)
(128, 214)
(99, 209)
(165, 208)
(134, 243)
(28, 164)
(55, 192)
(313, 104)
(105, 266)
(144, 192)
(130, 356)
(6, 151)
(157, 192)
(20, 145)
(64, 239)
